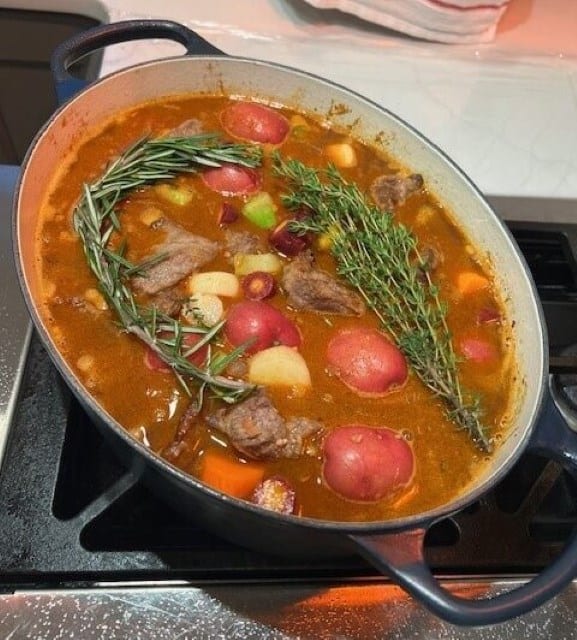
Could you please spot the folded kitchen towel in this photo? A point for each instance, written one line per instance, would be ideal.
(451, 21)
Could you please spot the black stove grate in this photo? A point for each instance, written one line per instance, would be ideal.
(551, 261)
(71, 515)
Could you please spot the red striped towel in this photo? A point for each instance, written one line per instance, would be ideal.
(452, 21)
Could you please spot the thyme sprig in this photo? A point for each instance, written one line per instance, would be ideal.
(95, 219)
(380, 258)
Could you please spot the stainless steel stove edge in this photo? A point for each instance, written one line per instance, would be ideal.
(15, 326)
(265, 611)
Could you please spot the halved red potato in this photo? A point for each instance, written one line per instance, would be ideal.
(366, 464)
(366, 361)
(255, 122)
(232, 180)
(260, 323)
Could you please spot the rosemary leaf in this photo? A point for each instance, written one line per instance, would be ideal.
(95, 219)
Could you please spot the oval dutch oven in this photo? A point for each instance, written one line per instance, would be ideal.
(394, 547)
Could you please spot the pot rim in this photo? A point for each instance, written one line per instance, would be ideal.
(419, 520)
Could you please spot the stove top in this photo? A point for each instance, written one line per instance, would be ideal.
(72, 514)
(74, 518)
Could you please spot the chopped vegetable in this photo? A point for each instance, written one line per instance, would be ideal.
(245, 263)
(298, 121)
(324, 241)
(259, 325)
(342, 154)
(258, 285)
(96, 299)
(218, 283)
(203, 308)
(366, 464)
(488, 315)
(366, 361)
(287, 242)
(299, 126)
(233, 478)
(178, 195)
(231, 180)
(228, 213)
(255, 122)
(275, 494)
(261, 210)
(279, 366)
(469, 282)
(478, 350)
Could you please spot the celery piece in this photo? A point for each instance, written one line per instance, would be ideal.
(245, 263)
(260, 210)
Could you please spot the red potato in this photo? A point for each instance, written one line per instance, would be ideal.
(255, 122)
(232, 180)
(478, 350)
(260, 323)
(366, 361)
(155, 363)
(366, 464)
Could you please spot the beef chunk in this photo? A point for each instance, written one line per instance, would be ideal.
(311, 289)
(430, 259)
(256, 429)
(299, 429)
(183, 253)
(186, 129)
(390, 191)
(168, 301)
(242, 242)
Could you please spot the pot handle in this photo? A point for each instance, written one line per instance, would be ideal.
(400, 555)
(95, 38)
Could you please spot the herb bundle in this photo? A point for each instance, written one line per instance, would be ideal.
(95, 220)
(380, 259)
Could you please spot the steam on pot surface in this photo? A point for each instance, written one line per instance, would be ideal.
(277, 309)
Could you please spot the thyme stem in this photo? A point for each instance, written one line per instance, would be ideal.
(380, 258)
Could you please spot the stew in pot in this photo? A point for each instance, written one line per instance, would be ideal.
(281, 311)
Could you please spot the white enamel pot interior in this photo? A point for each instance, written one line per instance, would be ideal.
(381, 542)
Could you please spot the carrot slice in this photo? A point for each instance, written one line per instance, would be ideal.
(471, 282)
(234, 478)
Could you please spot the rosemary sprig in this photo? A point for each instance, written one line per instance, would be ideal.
(95, 219)
(380, 258)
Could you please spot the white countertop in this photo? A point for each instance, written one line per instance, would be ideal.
(505, 111)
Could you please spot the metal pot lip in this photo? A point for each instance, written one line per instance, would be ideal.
(420, 520)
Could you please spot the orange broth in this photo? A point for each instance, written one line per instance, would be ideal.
(149, 404)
